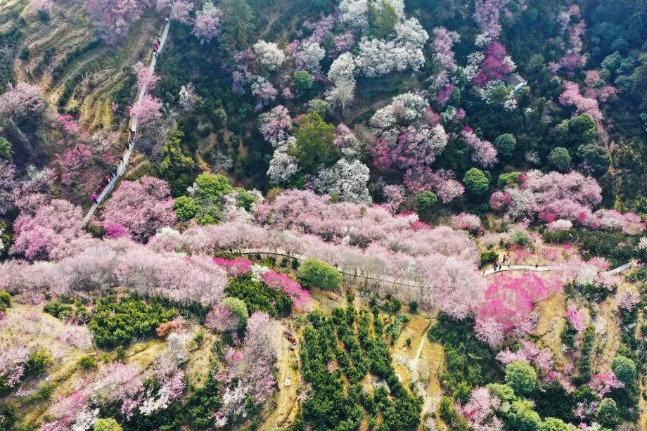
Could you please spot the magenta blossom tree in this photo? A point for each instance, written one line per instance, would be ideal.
(290, 287)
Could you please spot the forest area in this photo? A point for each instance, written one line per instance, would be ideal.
(309, 215)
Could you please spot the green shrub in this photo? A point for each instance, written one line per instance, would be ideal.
(426, 201)
(118, 321)
(509, 178)
(522, 417)
(88, 363)
(608, 413)
(505, 144)
(185, 208)
(467, 359)
(5, 300)
(256, 296)
(624, 369)
(107, 425)
(315, 273)
(521, 377)
(38, 362)
(488, 257)
(560, 159)
(476, 182)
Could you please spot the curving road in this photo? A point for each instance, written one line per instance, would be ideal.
(121, 168)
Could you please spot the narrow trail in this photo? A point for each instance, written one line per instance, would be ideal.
(386, 280)
(121, 169)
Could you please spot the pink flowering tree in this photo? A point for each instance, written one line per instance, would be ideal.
(530, 353)
(145, 76)
(74, 165)
(275, 125)
(576, 317)
(573, 28)
(141, 207)
(12, 365)
(208, 23)
(112, 19)
(177, 10)
(259, 358)
(487, 14)
(483, 152)
(466, 221)
(22, 106)
(602, 384)
(583, 104)
(480, 411)
(147, 111)
(49, 232)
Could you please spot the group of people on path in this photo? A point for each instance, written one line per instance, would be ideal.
(506, 259)
(113, 170)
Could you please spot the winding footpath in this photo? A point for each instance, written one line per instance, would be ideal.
(390, 281)
(121, 168)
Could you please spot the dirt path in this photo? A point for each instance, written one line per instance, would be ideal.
(283, 411)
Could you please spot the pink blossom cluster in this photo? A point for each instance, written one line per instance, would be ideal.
(49, 231)
(146, 77)
(466, 221)
(442, 182)
(177, 10)
(112, 19)
(69, 123)
(249, 371)
(12, 364)
(480, 411)
(234, 267)
(602, 384)
(290, 287)
(530, 353)
(553, 196)
(415, 146)
(573, 28)
(509, 305)
(275, 125)
(320, 29)
(628, 301)
(146, 110)
(139, 208)
(583, 104)
(74, 165)
(576, 317)
(483, 152)
(344, 41)
(487, 14)
(125, 387)
(208, 23)
(221, 319)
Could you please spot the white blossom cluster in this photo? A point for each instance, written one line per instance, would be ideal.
(269, 54)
